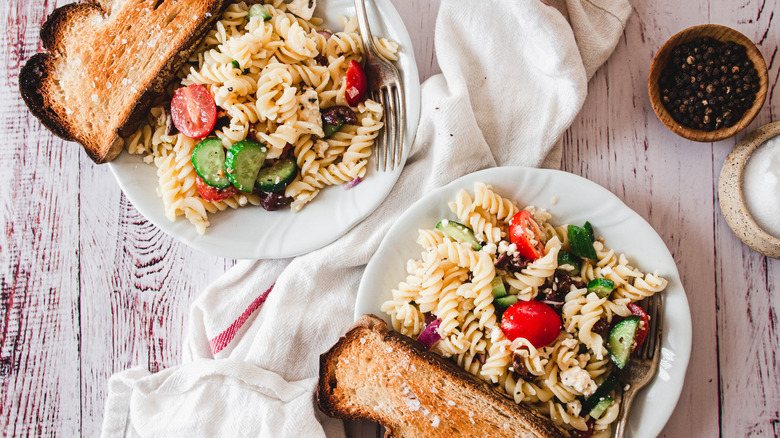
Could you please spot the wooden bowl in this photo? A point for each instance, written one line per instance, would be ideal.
(732, 197)
(720, 33)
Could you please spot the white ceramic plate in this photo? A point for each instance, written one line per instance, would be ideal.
(252, 232)
(578, 200)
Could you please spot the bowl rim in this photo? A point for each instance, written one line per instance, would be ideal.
(732, 196)
(721, 33)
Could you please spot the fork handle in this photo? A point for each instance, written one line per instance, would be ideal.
(625, 407)
(365, 32)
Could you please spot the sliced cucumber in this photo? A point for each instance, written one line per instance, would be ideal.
(600, 408)
(506, 301)
(589, 229)
(621, 340)
(569, 263)
(277, 176)
(243, 162)
(235, 64)
(257, 10)
(503, 303)
(602, 392)
(601, 286)
(498, 288)
(329, 129)
(459, 232)
(580, 243)
(208, 158)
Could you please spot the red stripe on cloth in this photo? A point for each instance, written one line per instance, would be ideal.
(224, 338)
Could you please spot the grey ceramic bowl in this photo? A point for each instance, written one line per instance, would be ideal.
(732, 198)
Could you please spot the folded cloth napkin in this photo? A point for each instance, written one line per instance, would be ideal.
(514, 76)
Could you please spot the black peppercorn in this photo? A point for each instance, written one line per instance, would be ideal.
(708, 84)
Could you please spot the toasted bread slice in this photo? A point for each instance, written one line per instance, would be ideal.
(377, 374)
(106, 63)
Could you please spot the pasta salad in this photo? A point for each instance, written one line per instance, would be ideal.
(290, 115)
(545, 313)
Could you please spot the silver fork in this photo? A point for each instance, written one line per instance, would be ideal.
(384, 86)
(641, 369)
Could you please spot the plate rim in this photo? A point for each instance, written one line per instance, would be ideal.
(382, 15)
(653, 422)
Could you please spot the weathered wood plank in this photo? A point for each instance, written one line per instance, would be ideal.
(40, 320)
(419, 17)
(137, 284)
(747, 283)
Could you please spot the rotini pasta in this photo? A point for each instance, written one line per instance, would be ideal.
(269, 79)
(455, 283)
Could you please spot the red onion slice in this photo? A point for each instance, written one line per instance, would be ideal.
(430, 335)
(325, 33)
(348, 185)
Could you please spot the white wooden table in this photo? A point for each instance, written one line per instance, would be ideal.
(88, 287)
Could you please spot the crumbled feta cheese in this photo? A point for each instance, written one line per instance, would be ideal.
(302, 8)
(490, 248)
(508, 248)
(569, 343)
(320, 147)
(574, 406)
(579, 380)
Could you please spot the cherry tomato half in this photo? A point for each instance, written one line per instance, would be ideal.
(532, 320)
(193, 111)
(644, 325)
(525, 234)
(356, 83)
(213, 194)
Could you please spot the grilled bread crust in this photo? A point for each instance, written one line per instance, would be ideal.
(106, 63)
(380, 375)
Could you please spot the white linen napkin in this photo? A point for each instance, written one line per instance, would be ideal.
(514, 76)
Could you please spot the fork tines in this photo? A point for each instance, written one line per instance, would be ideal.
(390, 147)
(652, 306)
